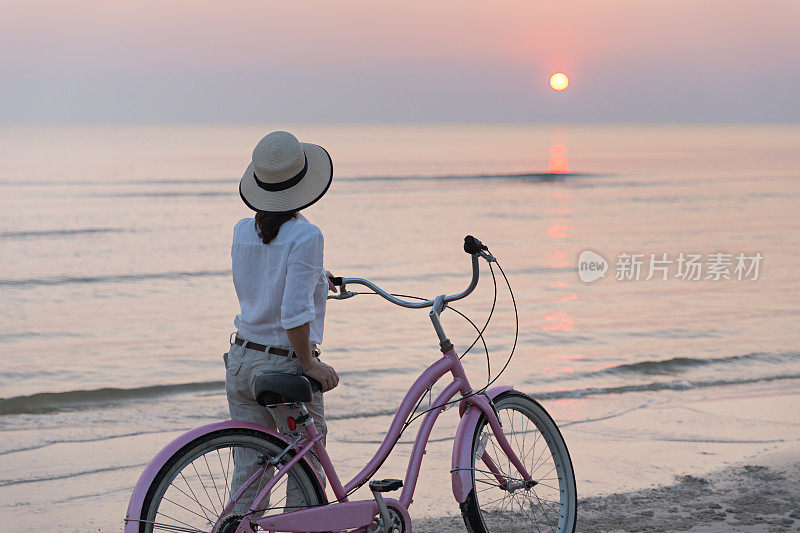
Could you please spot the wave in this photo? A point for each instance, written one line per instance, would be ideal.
(83, 183)
(128, 278)
(177, 428)
(678, 365)
(678, 333)
(528, 177)
(677, 385)
(78, 440)
(57, 233)
(168, 194)
(47, 402)
(63, 280)
(531, 176)
(525, 176)
(50, 402)
(18, 481)
(215, 181)
(22, 335)
(118, 278)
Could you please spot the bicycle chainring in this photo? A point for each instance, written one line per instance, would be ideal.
(398, 524)
(228, 524)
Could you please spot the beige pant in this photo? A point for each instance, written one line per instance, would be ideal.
(243, 367)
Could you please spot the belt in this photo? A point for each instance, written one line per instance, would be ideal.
(270, 349)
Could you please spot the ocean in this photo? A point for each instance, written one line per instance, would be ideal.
(116, 299)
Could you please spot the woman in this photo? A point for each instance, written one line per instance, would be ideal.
(281, 285)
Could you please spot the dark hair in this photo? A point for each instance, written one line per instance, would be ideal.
(268, 224)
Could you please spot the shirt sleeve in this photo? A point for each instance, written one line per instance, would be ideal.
(303, 270)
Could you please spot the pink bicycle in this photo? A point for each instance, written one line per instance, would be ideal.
(511, 470)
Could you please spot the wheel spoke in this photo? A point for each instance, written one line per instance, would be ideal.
(204, 488)
(176, 504)
(226, 490)
(175, 519)
(202, 507)
(541, 505)
(540, 484)
(186, 508)
(214, 483)
(193, 496)
(549, 506)
(544, 449)
(168, 527)
(533, 447)
(546, 473)
(497, 500)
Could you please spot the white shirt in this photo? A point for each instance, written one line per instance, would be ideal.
(280, 285)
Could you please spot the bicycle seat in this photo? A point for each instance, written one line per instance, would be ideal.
(285, 388)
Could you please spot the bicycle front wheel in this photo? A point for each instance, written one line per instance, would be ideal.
(196, 484)
(551, 504)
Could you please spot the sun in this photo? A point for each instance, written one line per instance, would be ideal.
(559, 81)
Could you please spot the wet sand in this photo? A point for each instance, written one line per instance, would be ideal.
(746, 498)
(753, 497)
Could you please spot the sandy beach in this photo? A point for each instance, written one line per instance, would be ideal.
(759, 496)
(739, 471)
(754, 496)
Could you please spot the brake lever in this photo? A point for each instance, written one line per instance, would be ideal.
(486, 255)
(343, 294)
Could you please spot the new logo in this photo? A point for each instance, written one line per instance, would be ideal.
(591, 266)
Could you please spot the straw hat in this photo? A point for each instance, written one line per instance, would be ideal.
(285, 174)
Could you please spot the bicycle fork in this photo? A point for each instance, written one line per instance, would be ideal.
(497, 430)
(465, 455)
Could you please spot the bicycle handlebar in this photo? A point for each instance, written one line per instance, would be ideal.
(472, 246)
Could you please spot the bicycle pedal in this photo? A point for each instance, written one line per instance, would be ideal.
(385, 485)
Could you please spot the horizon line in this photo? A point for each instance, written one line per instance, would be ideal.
(391, 124)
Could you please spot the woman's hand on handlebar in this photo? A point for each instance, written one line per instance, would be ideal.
(331, 286)
(323, 373)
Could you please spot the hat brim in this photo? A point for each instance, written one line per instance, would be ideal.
(309, 189)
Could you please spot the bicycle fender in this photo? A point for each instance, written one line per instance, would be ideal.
(462, 447)
(134, 513)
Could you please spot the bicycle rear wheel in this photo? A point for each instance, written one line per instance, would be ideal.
(194, 485)
(551, 504)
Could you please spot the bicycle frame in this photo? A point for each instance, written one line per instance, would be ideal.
(347, 514)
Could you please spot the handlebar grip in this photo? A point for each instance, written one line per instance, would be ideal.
(472, 245)
(336, 280)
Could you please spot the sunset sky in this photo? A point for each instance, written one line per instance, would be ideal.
(359, 61)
